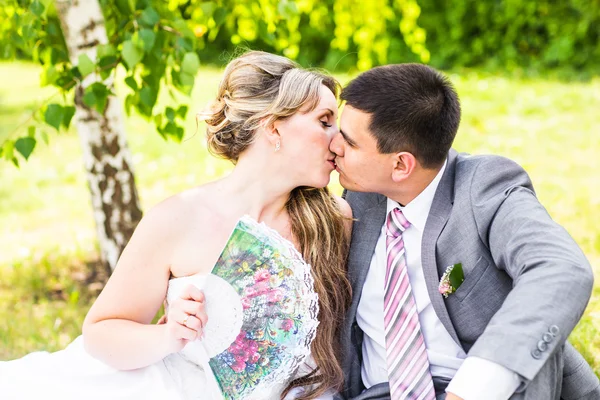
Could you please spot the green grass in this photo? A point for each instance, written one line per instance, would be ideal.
(47, 236)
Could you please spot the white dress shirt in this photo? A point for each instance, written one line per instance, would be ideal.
(472, 379)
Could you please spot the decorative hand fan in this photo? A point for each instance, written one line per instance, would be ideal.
(279, 310)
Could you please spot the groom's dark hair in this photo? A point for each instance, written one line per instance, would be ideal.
(413, 108)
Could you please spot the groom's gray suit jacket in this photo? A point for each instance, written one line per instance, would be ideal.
(526, 283)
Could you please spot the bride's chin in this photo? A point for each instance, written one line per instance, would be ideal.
(317, 182)
(324, 182)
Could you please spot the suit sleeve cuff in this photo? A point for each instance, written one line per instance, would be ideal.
(478, 378)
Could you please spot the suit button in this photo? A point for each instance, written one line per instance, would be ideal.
(553, 330)
(548, 338)
(536, 354)
(542, 346)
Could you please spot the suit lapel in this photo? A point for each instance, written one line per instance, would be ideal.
(437, 219)
(364, 239)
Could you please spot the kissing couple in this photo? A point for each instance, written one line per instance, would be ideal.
(436, 275)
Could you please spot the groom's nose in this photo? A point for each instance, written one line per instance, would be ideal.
(336, 145)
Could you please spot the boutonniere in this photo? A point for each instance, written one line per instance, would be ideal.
(451, 280)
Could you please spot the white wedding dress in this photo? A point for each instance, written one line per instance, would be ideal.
(72, 374)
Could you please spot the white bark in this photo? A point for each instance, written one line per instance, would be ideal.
(106, 156)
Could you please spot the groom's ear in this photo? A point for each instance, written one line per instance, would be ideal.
(404, 164)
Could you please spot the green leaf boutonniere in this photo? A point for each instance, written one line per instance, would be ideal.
(451, 280)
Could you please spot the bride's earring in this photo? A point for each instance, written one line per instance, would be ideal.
(277, 145)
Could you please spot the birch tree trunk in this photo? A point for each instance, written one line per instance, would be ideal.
(106, 156)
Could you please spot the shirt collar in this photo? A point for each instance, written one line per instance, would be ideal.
(417, 211)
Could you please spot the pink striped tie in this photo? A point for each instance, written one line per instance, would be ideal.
(408, 367)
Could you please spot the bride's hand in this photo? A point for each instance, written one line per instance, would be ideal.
(186, 318)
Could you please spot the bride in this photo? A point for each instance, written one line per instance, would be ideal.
(274, 121)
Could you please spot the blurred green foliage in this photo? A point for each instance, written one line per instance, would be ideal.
(343, 35)
(509, 33)
(163, 43)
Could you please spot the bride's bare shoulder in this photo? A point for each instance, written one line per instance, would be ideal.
(175, 213)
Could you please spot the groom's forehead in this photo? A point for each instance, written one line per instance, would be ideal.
(353, 118)
(355, 128)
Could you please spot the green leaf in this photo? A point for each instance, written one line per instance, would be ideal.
(16, 39)
(148, 96)
(149, 17)
(25, 146)
(264, 33)
(7, 149)
(58, 55)
(131, 54)
(185, 44)
(101, 101)
(182, 111)
(89, 98)
(190, 63)
(101, 94)
(287, 9)
(130, 101)
(28, 33)
(219, 15)
(85, 65)
(170, 113)
(44, 136)
(75, 72)
(170, 60)
(96, 96)
(107, 64)
(207, 7)
(144, 39)
(186, 79)
(31, 131)
(37, 8)
(173, 131)
(456, 276)
(49, 75)
(105, 50)
(158, 120)
(54, 115)
(125, 7)
(69, 111)
(53, 29)
(131, 82)
(66, 80)
(182, 27)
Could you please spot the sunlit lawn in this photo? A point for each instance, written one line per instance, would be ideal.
(47, 236)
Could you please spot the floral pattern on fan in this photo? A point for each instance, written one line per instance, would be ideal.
(280, 310)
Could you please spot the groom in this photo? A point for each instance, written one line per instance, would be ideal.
(427, 217)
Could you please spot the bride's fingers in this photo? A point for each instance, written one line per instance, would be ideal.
(183, 332)
(191, 292)
(202, 317)
(191, 307)
(193, 322)
(177, 326)
(189, 321)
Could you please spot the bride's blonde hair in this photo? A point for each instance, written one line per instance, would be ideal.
(258, 87)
